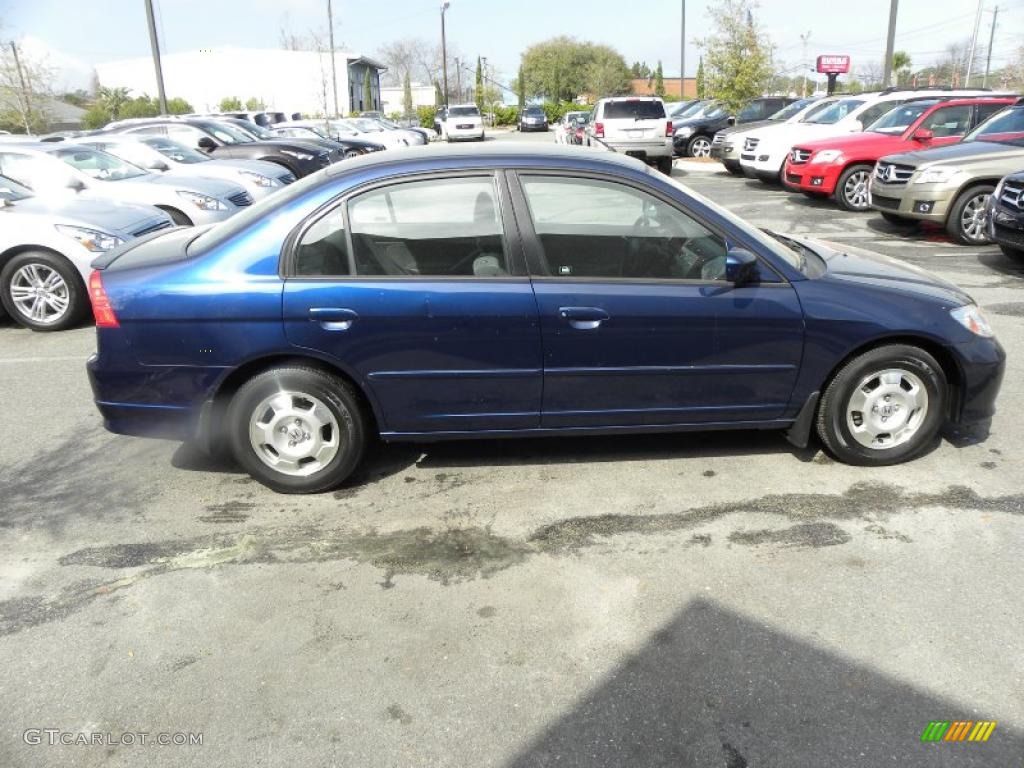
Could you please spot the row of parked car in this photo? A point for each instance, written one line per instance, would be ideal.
(949, 157)
(66, 198)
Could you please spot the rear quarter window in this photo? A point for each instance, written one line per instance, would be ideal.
(634, 110)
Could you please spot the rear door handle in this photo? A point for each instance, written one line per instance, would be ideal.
(583, 318)
(333, 318)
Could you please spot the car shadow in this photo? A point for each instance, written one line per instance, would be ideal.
(918, 231)
(999, 262)
(713, 687)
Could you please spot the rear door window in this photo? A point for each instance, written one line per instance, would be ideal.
(634, 109)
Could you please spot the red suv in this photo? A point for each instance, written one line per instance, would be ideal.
(841, 166)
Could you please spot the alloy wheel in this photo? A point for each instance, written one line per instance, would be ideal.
(855, 190)
(887, 408)
(973, 218)
(294, 433)
(40, 293)
(701, 148)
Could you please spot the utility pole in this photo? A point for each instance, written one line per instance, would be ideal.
(991, 40)
(458, 81)
(974, 44)
(682, 51)
(334, 70)
(154, 44)
(804, 38)
(24, 88)
(890, 43)
(444, 52)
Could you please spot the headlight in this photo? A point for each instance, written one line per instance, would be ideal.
(973, 319)
(685, 131)
(203, 202)
(258, 179)
(936, 175)
(297, 155)
(828, 156)
(90, 239)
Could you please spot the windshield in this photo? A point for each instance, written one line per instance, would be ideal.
(367, 126)
(691, 109)
(99, 165)
(229, 134)
(534, 112)
(835, 112)
(172, 150)
(636, 109)
(714, 111)
(133, 151)
(344, 127)
(470, 112)
(899, 119)
(1006, 127)
(787, 112)
(11, 191)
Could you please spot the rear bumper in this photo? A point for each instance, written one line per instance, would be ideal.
(983, 363)
(810, 177)
(642, 149)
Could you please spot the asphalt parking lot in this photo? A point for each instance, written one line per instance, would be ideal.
(694, 600)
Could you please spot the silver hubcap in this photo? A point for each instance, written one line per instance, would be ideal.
(40, 293)
(972, 220)
(887, 408)
(294, 433)
(701, 148)
(855, 190)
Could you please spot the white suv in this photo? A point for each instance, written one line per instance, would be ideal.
(764, 150)
(463, 121)
(635, 126)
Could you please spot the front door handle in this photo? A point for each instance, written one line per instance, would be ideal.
(333, 318)
(583, 318)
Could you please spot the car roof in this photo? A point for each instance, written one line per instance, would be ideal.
(496, 155)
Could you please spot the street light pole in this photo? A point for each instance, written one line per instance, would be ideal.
(804, 38)
(682, 51)
(154, 43)
(334, 71)
(991, 40)
(444, 53)
(890, 43)
(974, 45)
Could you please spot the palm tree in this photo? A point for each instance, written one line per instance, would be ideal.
(112, 99)
(901, 66)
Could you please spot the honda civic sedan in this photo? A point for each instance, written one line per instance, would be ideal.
(506, 292)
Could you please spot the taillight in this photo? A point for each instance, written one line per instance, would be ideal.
(668, 129)
(101, 309)
(599, 130)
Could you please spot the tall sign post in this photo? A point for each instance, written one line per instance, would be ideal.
(833, 66)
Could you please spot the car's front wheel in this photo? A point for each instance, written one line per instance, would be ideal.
(967, 222)
(297, 429)
(699, 146)
(43, 291)
(852, 188)
(883, 407)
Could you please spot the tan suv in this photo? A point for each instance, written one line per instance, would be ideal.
(951, 185)
(635, 126)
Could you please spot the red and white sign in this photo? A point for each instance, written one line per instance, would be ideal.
(833, 65)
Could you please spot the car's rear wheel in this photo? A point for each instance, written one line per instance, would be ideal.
(967, 222)
(852, 188)
(897, 220)
(1013, 253)
(883, 407)
(43, 291)
(665, 165)
(699, 146)
(297, 429)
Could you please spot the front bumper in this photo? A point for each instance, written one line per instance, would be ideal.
(982, 364)
(811, 177)
(533, 126)
(911, 200)
(763, 162)
(1005, 225)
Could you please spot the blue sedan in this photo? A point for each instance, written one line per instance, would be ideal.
(507, 292)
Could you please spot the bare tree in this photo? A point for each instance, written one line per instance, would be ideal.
(26, 86)
(417, 58)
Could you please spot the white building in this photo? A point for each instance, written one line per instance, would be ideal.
(391, 97)
(286, 81)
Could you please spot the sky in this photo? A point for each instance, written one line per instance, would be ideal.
(76, 35)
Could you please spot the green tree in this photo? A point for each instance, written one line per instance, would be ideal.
(230, 104)
(901, 64)
(478, 94)
(702, 86)
(252, 104)
(142, 106)
(406, 95)
(368, 104)
(563, 68)
(738, 54)
(659, 81)
(112, 100)
(178, 106)
(521, 88)
(95, 117)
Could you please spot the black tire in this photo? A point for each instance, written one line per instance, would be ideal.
(857, 178)
(1012, 253)
(698, 143)
(899, 221)
(832, 423)
(71, 294)
(955, 225)
(333, 392)
(179, 218)
(665, 165)
(733, 167)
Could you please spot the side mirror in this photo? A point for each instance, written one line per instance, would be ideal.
(731, 121)
(76, 184)
(206, 144)
(922, 134)
(740, 266)
(159, 165)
